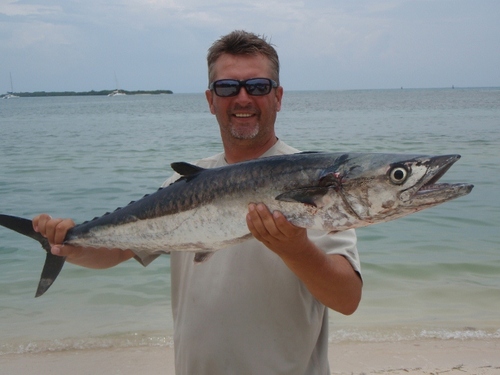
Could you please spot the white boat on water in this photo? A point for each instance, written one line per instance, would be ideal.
(10, 94)
(116, 93)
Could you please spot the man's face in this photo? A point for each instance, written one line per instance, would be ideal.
(245, 117)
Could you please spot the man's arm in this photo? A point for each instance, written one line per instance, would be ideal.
(55, 232)
(329, 277)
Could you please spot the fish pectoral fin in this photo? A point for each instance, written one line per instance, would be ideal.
(202, 256)
(312, 196)
(186, 169)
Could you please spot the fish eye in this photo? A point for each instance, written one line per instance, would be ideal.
(398, 175)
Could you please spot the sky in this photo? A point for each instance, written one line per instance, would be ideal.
(82, 45)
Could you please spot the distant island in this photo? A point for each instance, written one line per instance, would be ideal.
(86, 93)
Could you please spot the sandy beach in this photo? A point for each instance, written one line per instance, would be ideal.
(432, 357)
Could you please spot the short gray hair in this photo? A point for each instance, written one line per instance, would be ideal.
(241, 42)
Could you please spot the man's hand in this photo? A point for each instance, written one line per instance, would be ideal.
(275, 231)
(55, 231)
(329, 277)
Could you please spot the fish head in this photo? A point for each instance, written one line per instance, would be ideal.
(383, 187)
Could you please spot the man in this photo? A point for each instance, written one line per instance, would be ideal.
(259, 307)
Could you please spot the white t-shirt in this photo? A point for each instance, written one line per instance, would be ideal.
(244, 312)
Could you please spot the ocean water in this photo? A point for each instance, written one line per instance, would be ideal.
(433, 274)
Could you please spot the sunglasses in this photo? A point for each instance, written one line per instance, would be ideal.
(253, 86)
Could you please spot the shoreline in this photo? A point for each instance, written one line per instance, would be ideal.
(417, 357)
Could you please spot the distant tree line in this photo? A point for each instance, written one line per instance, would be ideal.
(87, 93)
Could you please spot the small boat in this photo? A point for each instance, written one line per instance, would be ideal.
(116, 93)
(10, 94)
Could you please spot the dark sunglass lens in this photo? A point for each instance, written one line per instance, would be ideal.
(258, 86)
(226, 87)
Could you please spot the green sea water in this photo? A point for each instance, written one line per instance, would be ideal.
(432, 274)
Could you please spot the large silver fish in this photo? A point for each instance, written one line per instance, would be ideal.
(205, 210)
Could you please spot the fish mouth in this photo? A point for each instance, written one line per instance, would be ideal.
(430, 183)
(435, 192)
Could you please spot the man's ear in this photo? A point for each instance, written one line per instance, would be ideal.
(279, 97)
(210, 96)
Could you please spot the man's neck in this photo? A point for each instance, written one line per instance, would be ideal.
(247, 150)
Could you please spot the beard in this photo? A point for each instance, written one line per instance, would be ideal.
(244, 132)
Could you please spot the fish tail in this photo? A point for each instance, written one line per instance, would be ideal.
(53, 263)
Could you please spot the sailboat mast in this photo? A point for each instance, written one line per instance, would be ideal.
(11, 85)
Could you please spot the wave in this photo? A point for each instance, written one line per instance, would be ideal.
(467, 333)
(129, 340)
(153, 339)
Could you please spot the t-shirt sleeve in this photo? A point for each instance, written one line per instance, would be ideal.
(343, 243)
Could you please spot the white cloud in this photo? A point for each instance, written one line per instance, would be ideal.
(16, 8)
(38, 35)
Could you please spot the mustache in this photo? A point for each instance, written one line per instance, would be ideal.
(247, 108)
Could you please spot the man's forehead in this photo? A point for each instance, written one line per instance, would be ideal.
(241, 65)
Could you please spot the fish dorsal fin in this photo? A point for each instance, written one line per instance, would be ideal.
(186, 169)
